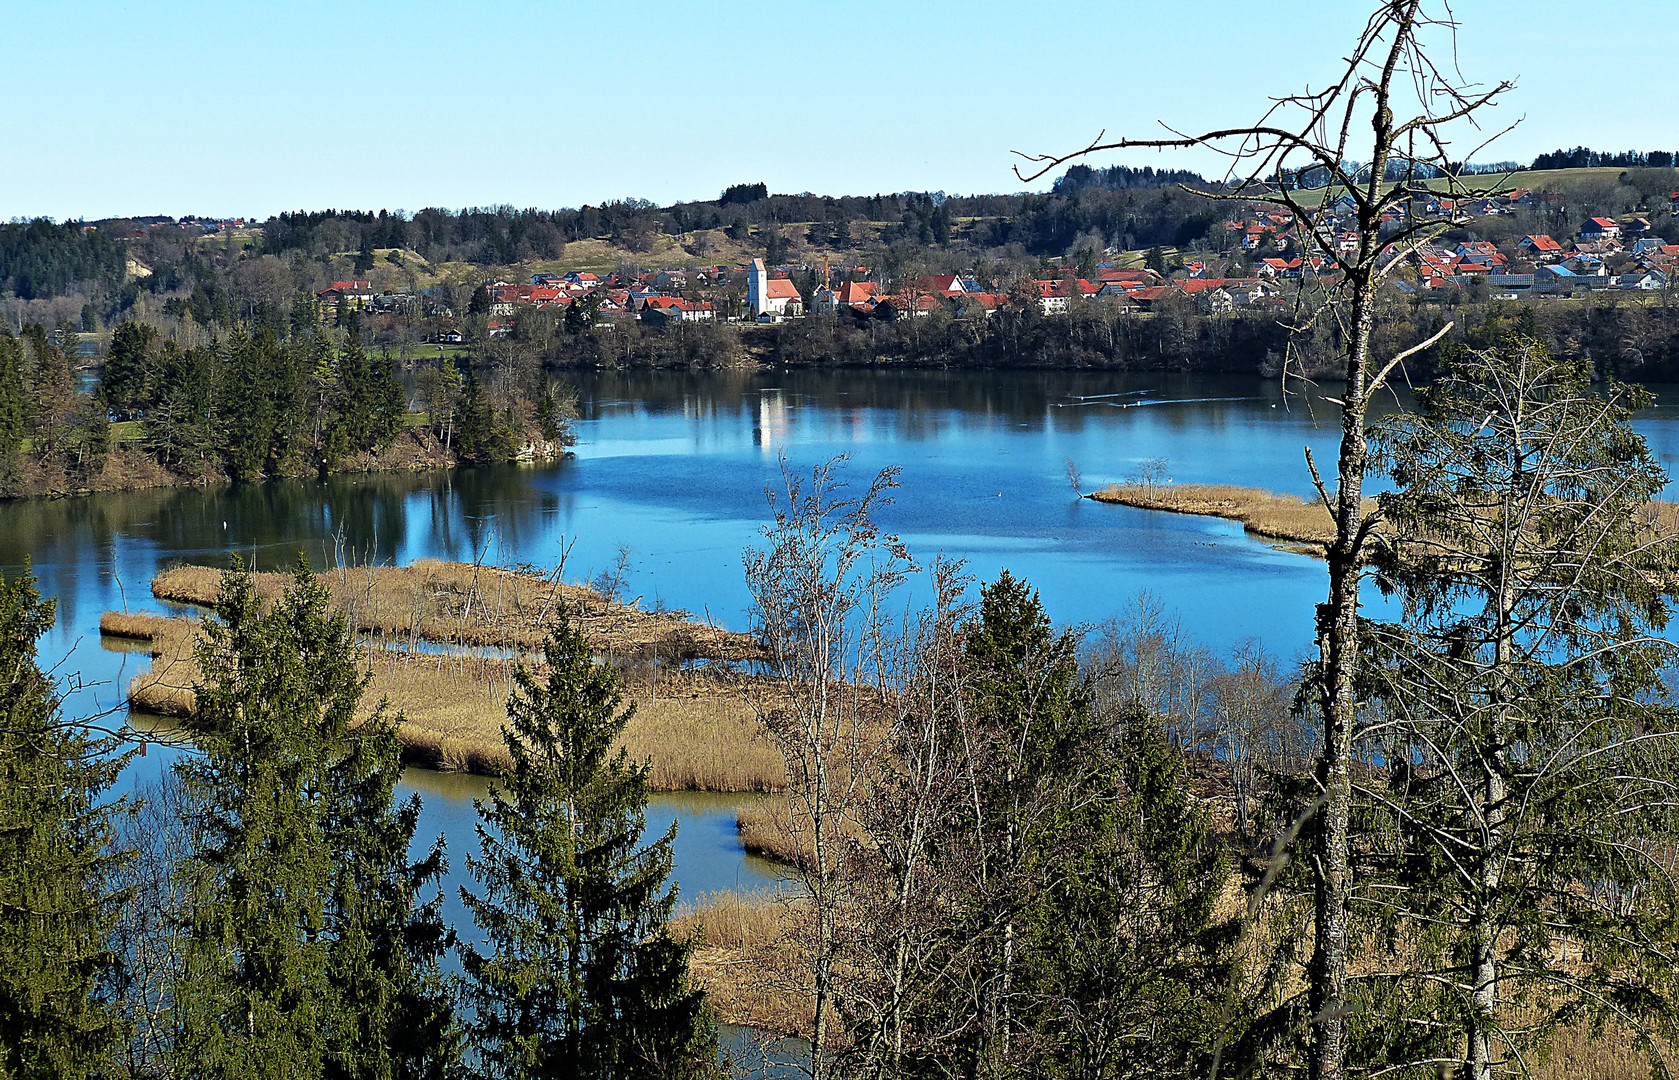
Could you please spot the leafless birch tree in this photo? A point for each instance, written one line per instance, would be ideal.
(820, 586)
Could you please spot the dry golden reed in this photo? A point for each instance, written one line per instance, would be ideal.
(1264, 513)
(697, 730)
(748, 961)
(466, 604)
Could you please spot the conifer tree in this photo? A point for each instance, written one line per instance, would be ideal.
(581, 978)
(14, 403)
(305, 951)
(56, 899)
(1531, 742)
(128, 368)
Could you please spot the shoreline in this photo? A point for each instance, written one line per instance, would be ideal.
(1289, 521)
(129, 468)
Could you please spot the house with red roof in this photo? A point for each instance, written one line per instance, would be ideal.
(1055, 297)
(355, 294)
(907, 305)
(1541, 248)
(1600, 228)
(941, 284)
(857, 294)
(1286, 268)
(663, 310)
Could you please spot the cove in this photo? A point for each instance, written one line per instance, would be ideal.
(673, 467)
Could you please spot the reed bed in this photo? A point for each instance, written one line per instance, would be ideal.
(766, 830)
(1286, 518)
(1268, 514)
(466, 604)
(748, 961)
(697, 729)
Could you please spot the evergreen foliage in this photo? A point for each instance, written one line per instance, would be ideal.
(1067, 904)
(582, 978)
(129, 368)
(1530, 740)
(254, 404)
(57, 902)
(306, 953)
(39, 259)
(14, 404)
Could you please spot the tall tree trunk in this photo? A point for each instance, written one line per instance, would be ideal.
(1338, 641)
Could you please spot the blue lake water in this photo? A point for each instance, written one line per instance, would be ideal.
(674, 468)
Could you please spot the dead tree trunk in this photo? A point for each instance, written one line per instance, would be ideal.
(1297, 159)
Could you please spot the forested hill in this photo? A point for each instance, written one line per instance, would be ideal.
(1121, 207)
(39, 259)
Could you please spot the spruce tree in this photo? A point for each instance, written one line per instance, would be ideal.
(56, 899)
(305, 951)
(581, 977)
(1098, 876)
(128, 368)
(14, 403)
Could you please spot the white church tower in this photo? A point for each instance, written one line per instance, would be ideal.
(757, 288)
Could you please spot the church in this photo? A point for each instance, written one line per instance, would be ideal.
(775, 297)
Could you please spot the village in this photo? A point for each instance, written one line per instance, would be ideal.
(1262, 259)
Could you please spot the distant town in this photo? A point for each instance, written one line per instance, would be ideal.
(1261, 250)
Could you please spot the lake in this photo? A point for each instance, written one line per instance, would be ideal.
(673, 467)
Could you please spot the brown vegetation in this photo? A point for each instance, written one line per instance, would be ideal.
(694, 727)
(766, 830)
(746, 961)
(1264, 513)
(467, 604)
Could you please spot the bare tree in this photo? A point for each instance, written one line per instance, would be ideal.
(1247, 723)
(819, 588)
(1307, 138)
(910, 939)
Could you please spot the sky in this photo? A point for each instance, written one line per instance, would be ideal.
(238, 109)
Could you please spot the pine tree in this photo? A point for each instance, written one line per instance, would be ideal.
(582, 978)
(56, 900)
(306, 952)
(246, 407)
(128, 368)
(480, 438)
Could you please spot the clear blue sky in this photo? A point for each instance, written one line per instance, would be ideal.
(228, 108)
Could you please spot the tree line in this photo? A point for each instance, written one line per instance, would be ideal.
(263, 913)
(1009, 869)
(268, 399)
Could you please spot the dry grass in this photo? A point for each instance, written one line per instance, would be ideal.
(1287, 518)
(1264, 513)
(698, 731)
(1576, 1053)
(748, 961)
(766, 830)
(165, 633)
(464, 604)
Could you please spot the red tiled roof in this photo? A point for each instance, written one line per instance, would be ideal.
(856, 292)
